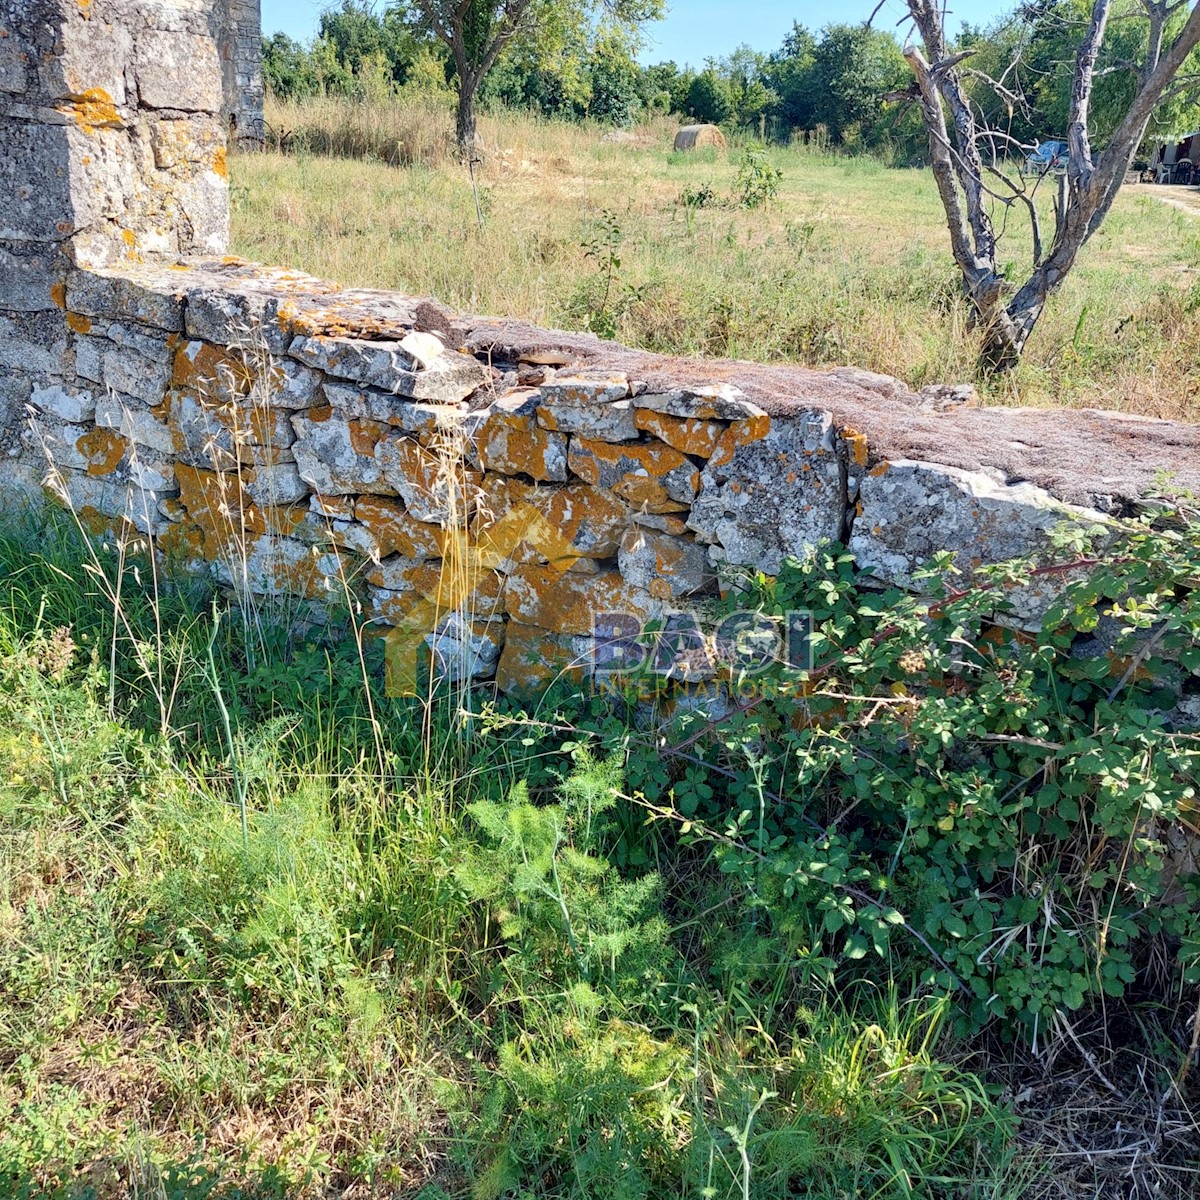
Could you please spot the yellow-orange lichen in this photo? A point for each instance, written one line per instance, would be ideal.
(689, 435)
(396, 532)
(210, 373)
(58, 293)
(103, 449)
(220, 164)
(92, 110)
(79, 323)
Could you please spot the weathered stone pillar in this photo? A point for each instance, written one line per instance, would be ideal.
(112, 147)
(240, 43)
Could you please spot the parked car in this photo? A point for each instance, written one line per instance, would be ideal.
(1050, 158)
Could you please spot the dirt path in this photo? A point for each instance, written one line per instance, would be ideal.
(1186, 198)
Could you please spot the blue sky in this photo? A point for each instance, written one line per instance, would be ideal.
(698, 29)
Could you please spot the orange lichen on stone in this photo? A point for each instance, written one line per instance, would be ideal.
(689, 435)
(103, 448)
(396, 532)
(517, 445)
(210, 373)
(880, 469)
(740, 433)
(857, 444)
(220, 163)
(533, 661)
(92, 110)
(566, 602)
(651, 476)
(523, 523)
(217, 505)
(365, 436)
(58, 293)
(79, 323)
(431, 590)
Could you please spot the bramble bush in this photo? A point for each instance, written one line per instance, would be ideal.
(1007, 813)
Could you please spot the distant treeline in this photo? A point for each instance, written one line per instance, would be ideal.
(846, 85)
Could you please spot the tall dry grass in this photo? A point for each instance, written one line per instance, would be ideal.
(849, 265)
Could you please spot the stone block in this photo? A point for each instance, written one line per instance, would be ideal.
(393, 530)
(337, 457)
(66, 403)
(565, 602)
(513, 443)
(715, 402)
(386, 365)
(666, 567)
(689, 435)
(610, 422)
(435, 486)
(135, 423)
(519, 523)
(177, 70)
(580, 391)
(116, 298)
(650, 476)
(775, 497)
(534, 660)
(911, 511)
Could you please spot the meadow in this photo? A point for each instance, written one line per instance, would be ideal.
(849, 263)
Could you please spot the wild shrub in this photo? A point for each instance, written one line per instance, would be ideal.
(758, 178)
(1007, 812)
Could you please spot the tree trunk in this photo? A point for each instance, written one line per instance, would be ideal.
(465, 133)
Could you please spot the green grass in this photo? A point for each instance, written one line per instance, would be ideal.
(420, 981)
(850, 264)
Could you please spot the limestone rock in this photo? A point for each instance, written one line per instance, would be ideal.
(774, 497)
(715, 402)
(581, 391)
(650, 476)
(666, 567)
(564, 602)
(910, 511)
(334, 460)
(609, 422)
(519, 523)
(386, 365)
(434, 486)
(68, 404)
(513, 443)
(534, 660)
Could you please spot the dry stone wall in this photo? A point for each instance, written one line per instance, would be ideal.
(496, 495)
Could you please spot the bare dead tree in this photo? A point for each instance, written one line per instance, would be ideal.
(970, 162)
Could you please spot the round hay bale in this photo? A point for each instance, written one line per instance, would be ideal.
(696, 137)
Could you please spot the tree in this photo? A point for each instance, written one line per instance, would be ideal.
(478, 31)
(853, 69)
(971, 158)
(710, 98)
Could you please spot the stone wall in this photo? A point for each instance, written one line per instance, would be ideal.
(239, 43)
(481, 488)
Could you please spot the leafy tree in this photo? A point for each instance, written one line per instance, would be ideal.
(788, 73)
(710, 97)
(853, 69)
(477, 32)
(614, 78)
(288, 68)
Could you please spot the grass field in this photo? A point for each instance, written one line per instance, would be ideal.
(849, 264)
